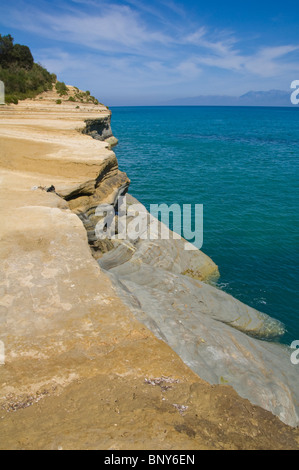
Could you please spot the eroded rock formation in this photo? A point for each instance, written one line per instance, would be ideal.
(217, 336)
(100, 129)
(82, 367)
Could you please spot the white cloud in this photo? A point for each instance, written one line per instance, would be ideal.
(265, 62)
(135, 46)
(117, 28)
(189, 69)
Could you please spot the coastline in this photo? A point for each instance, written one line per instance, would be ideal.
(79, 327)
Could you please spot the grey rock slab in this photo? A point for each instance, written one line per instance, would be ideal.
(207, 328)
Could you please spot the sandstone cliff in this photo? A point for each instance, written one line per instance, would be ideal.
(82, 367)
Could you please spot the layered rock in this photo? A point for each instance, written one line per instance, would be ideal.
(100, 129)
(81, 370)
(208, 328)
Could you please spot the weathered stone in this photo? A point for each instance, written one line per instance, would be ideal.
(99, 128)
(81, 372)
(204, 325)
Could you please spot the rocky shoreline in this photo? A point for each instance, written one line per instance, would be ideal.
(205, 326)
(90, 324)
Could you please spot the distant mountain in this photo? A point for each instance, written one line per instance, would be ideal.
(266, 98)
(252, 98)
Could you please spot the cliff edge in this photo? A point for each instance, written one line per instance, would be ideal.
(87, 366)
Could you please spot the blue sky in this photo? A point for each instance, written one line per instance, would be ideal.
(146, 52)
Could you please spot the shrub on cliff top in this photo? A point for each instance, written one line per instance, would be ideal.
(22, 77)
(11, 99)
(14, 54)
(61, 88)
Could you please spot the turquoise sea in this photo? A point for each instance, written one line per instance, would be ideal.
(242, 165)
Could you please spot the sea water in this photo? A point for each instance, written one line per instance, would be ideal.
(242, 165)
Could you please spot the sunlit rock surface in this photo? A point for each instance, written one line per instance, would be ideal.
(215, 334)
(81, 370)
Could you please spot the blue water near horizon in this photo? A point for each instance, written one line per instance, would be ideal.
(242, 165)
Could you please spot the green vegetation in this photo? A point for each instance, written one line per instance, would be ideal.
(11, 99)
(85, 97)
(22, 77)
(94, 100)
(61, 88)
(14, 55)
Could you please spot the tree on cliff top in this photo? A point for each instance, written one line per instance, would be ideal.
(6, 48)
(22, 77)
(14, 54)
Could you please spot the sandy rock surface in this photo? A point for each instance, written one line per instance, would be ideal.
(80, 370)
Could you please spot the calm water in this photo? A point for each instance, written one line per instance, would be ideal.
(242, 165)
